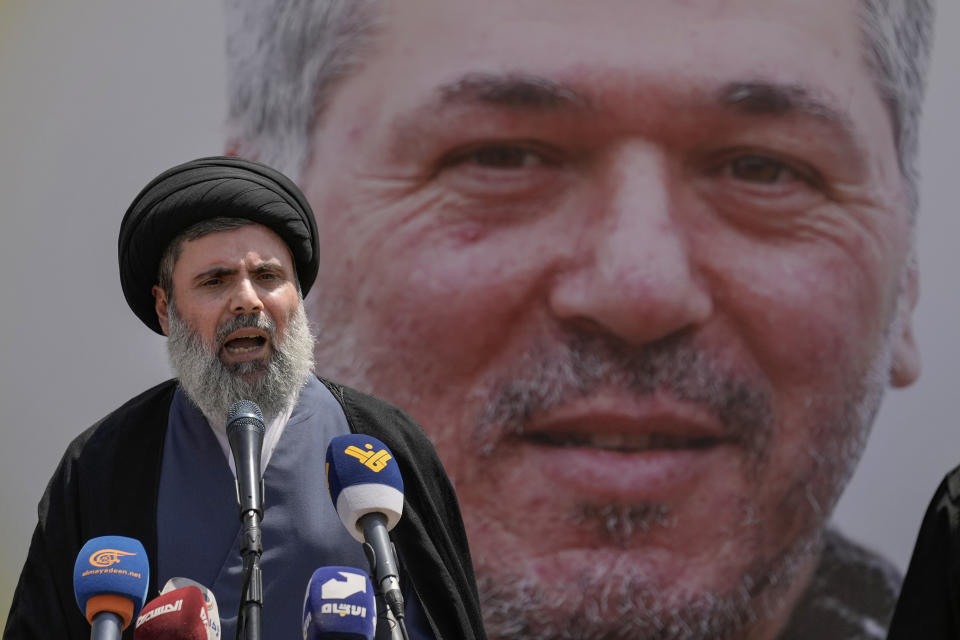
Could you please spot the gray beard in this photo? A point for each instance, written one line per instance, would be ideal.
(214, 386)
(617, 600)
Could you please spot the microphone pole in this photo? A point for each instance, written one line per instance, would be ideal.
(383, 566)
(245, 433)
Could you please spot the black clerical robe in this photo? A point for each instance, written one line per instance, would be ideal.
(929, 603)
(107, 484)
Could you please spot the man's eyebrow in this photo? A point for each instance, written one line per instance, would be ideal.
(517, 92)
(214, 272)
(267, 266)
(513, 90)
(782, 99)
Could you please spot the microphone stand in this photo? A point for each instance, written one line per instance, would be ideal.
(245, 433)
(249, 626)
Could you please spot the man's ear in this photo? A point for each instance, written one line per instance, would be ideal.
(905, 366)
(160, 304)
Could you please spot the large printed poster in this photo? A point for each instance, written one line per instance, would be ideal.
(560, 243)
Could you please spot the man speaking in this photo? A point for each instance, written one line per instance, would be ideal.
(217, 254)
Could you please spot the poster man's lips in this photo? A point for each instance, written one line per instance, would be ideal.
(626, 442)
(628, 424)
(647, 450)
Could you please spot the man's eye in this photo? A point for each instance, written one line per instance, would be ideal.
(759, 170)
(503, 157)
(210, 282)
(501, 170)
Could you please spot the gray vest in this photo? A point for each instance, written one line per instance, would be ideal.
(198, 528)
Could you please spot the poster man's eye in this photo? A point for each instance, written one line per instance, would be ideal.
(759, 170)
(503, 157)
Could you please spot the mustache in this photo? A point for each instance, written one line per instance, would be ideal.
(579, 365)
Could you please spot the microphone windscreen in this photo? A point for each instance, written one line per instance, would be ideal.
(339, 604)
(213, 611)
(111, 574)
(363, 477)
(180, 614)
(245, 412)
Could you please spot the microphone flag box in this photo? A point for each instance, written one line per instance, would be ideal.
(209, 600)
(363, 477)
(111, 573)
(339, 603)
(181, 614)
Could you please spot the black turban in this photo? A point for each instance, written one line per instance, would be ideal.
(199, 190)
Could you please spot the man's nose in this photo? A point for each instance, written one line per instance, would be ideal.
(244, 298)
(633, 273)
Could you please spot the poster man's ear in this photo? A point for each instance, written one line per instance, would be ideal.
(905, 365)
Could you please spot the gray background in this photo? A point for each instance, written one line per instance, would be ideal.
(97, 97)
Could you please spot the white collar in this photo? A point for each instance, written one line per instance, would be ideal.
(271, 436)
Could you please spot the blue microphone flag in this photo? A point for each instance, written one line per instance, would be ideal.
(363, 478)
(339, 603)
(112, 566)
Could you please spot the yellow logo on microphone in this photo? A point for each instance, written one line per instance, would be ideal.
(376, 461)
(107, 557)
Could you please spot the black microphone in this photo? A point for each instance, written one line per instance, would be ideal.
(367, 490)
(245, 433)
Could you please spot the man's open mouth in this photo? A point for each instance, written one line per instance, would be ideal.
(244, 343)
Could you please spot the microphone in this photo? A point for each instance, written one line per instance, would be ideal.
(209, 600)
(367, 490)
(245, 434)
(339, 604)
(180, 614)
(110, 579)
